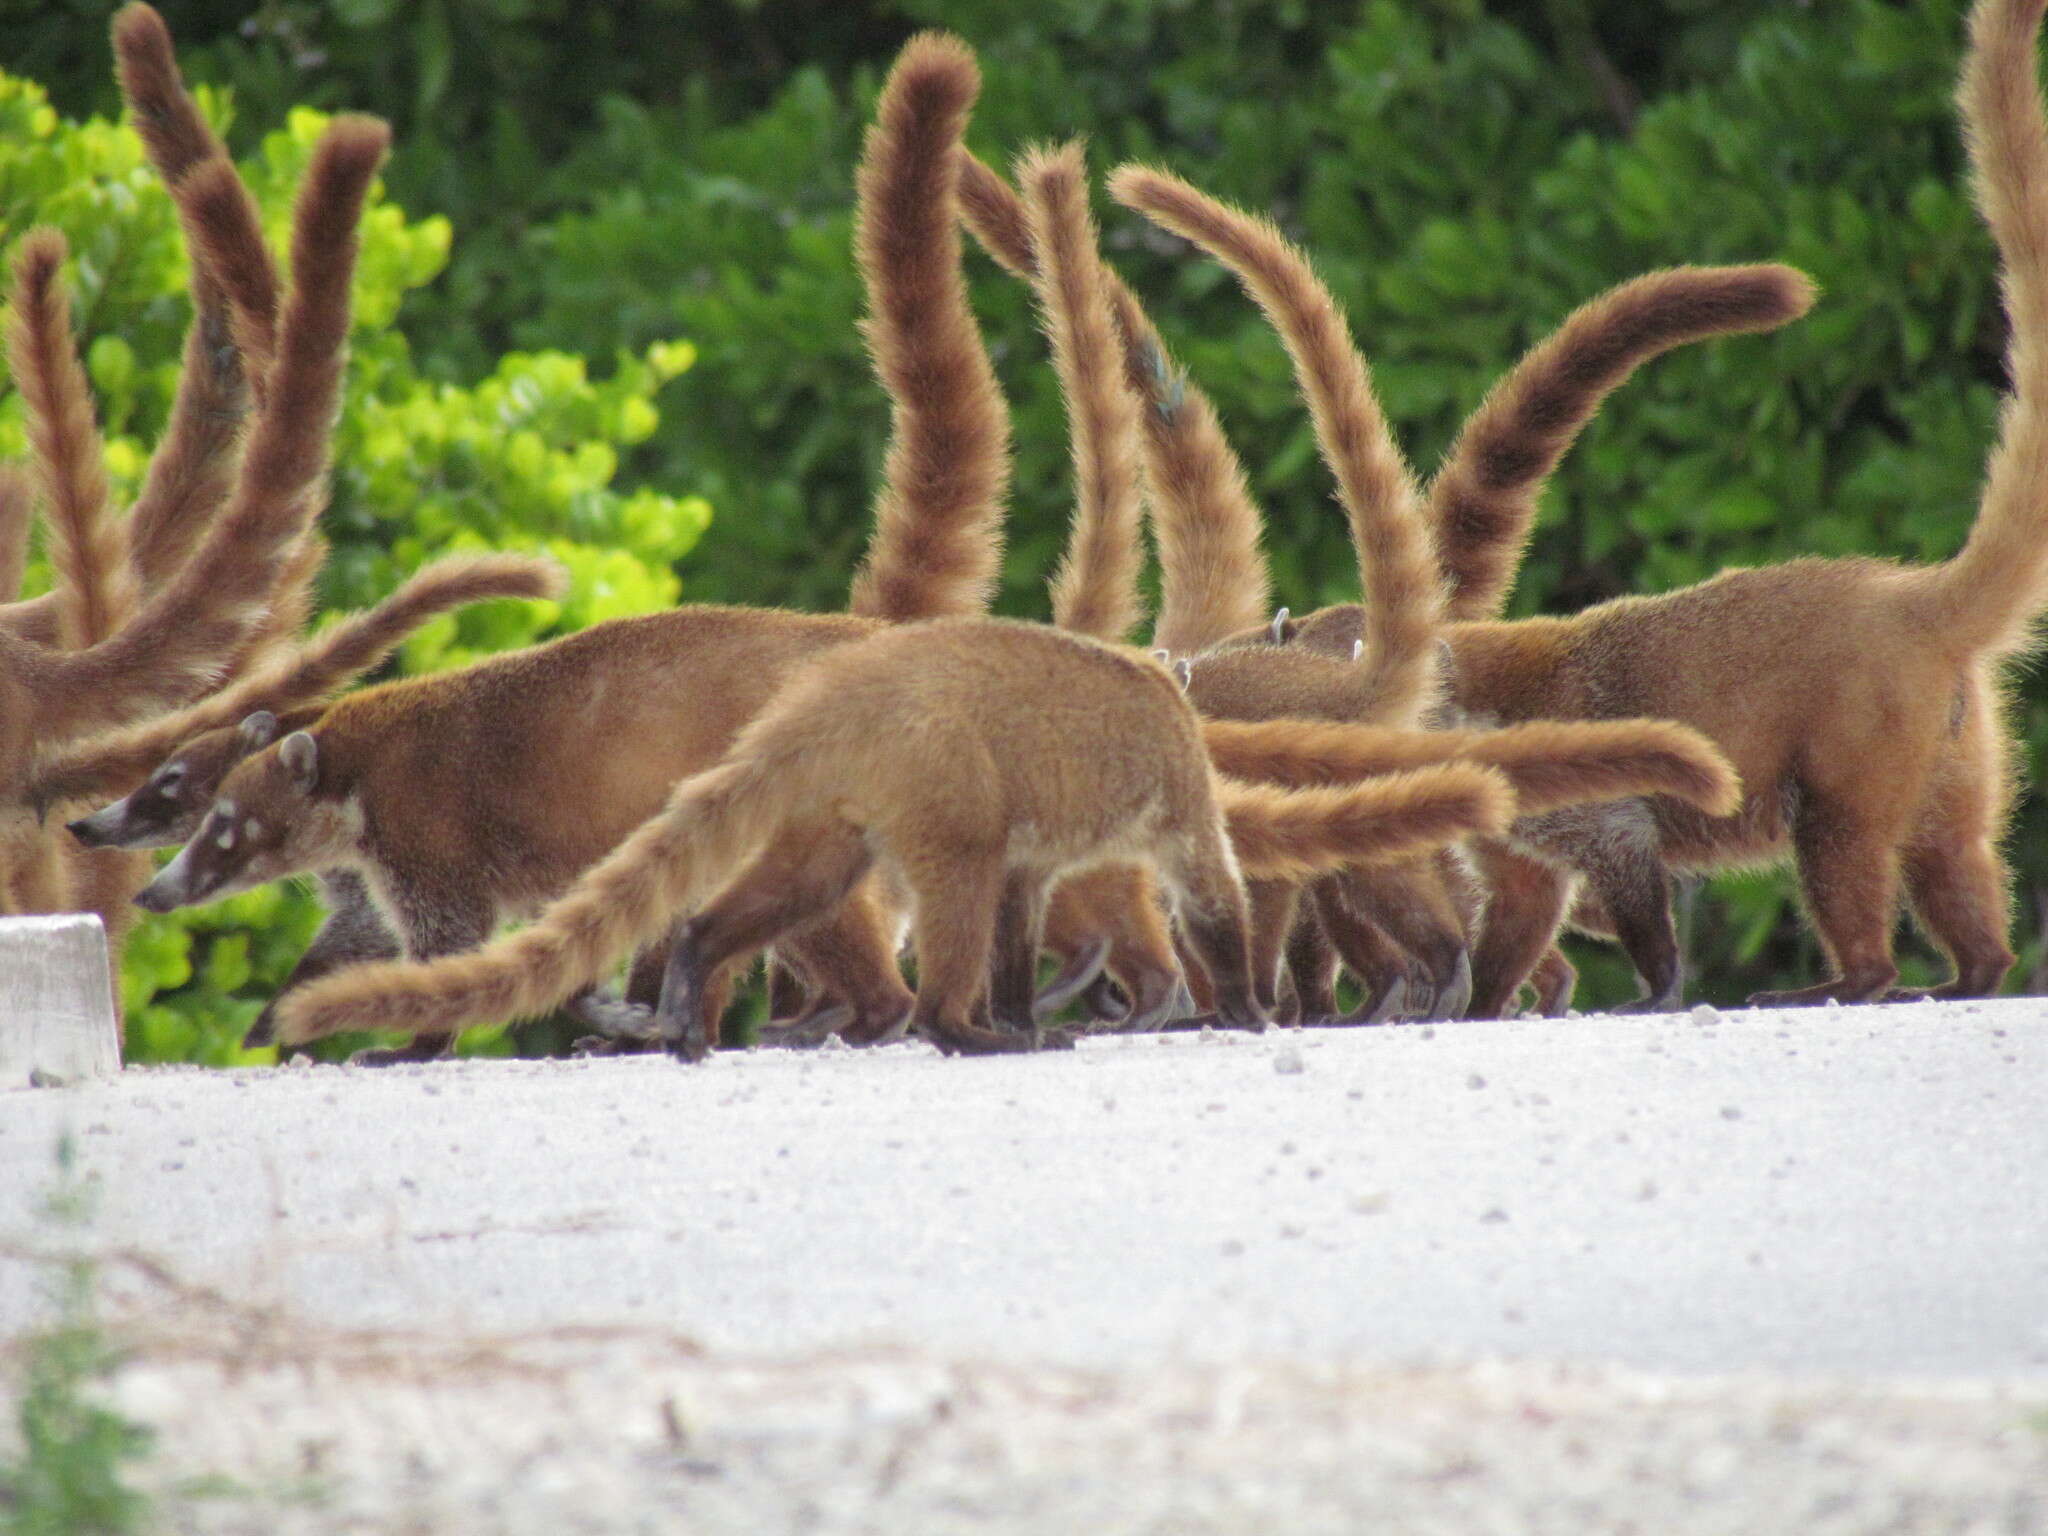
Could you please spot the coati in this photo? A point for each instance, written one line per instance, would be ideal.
(973, 798)
(1859, 698)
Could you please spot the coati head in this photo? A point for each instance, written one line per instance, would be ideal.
(270, 820)
(170, 803)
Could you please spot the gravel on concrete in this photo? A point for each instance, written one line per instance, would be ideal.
(1716, 1271)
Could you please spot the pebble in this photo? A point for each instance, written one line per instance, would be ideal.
(1288, 1063)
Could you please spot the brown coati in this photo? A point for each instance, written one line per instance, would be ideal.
(1266, 684)
(498, 816)
(1859, 698)
(972, 798)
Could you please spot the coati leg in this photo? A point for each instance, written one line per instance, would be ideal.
(1633, 886)
(1013, 955)
(1412, 906)
(1083, 969)
(799, 878)
(1849, 878)
(1210, 906)
(956, 895)
(787, 994)
(353, 932)
(625, 1026)
(434, 923)
(1120, 903)
(1955, 880)
(1272, 905)
(1312, 966)
(1960, 896)
(1553, 981)
(1527, 904)
(1380, 965)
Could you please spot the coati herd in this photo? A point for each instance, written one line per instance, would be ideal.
(1412, 790)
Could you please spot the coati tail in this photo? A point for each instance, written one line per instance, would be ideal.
(1482, 502)
(1988, 597)
(17, 512)
(1298, 834)
(676, 859)
(1213, 575)
(86, 544)
(1549, 763)
(937, 543)
(1396, 556)
(1095, 590)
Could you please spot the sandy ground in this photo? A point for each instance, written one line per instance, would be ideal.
(1736, 1272)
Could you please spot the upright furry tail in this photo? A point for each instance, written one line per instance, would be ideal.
(17, 512)
(177, 643)
(937, 546)
(1095, 590)
(1483, 499)
(86, 545)
(1214, 580)
(1298, 834)
(114, 762)
(1549, 763)
(1987, 597)
(190, 471)
(678, 857)
(1396, 556)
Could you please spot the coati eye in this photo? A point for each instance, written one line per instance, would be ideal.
(225, 838)
(169, 781)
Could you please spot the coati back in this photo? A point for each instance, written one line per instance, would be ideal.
(973, 798)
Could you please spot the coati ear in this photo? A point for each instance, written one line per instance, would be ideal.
(1162, 655)
(1185, 671)
(1282, 627)
(257, 730)
(301, 758)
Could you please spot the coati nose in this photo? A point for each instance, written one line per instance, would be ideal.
(87, 833)
(150, 899)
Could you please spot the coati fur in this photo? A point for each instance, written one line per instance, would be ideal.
(1810, 673)
(974, 799)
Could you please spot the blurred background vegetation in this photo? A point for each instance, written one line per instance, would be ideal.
(609, 290)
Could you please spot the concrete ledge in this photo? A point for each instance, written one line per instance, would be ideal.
(56, 1000)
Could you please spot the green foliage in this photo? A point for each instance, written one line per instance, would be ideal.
(74, 1448)
(526, 458)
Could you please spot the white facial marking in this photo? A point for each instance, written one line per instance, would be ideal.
(226, 839)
